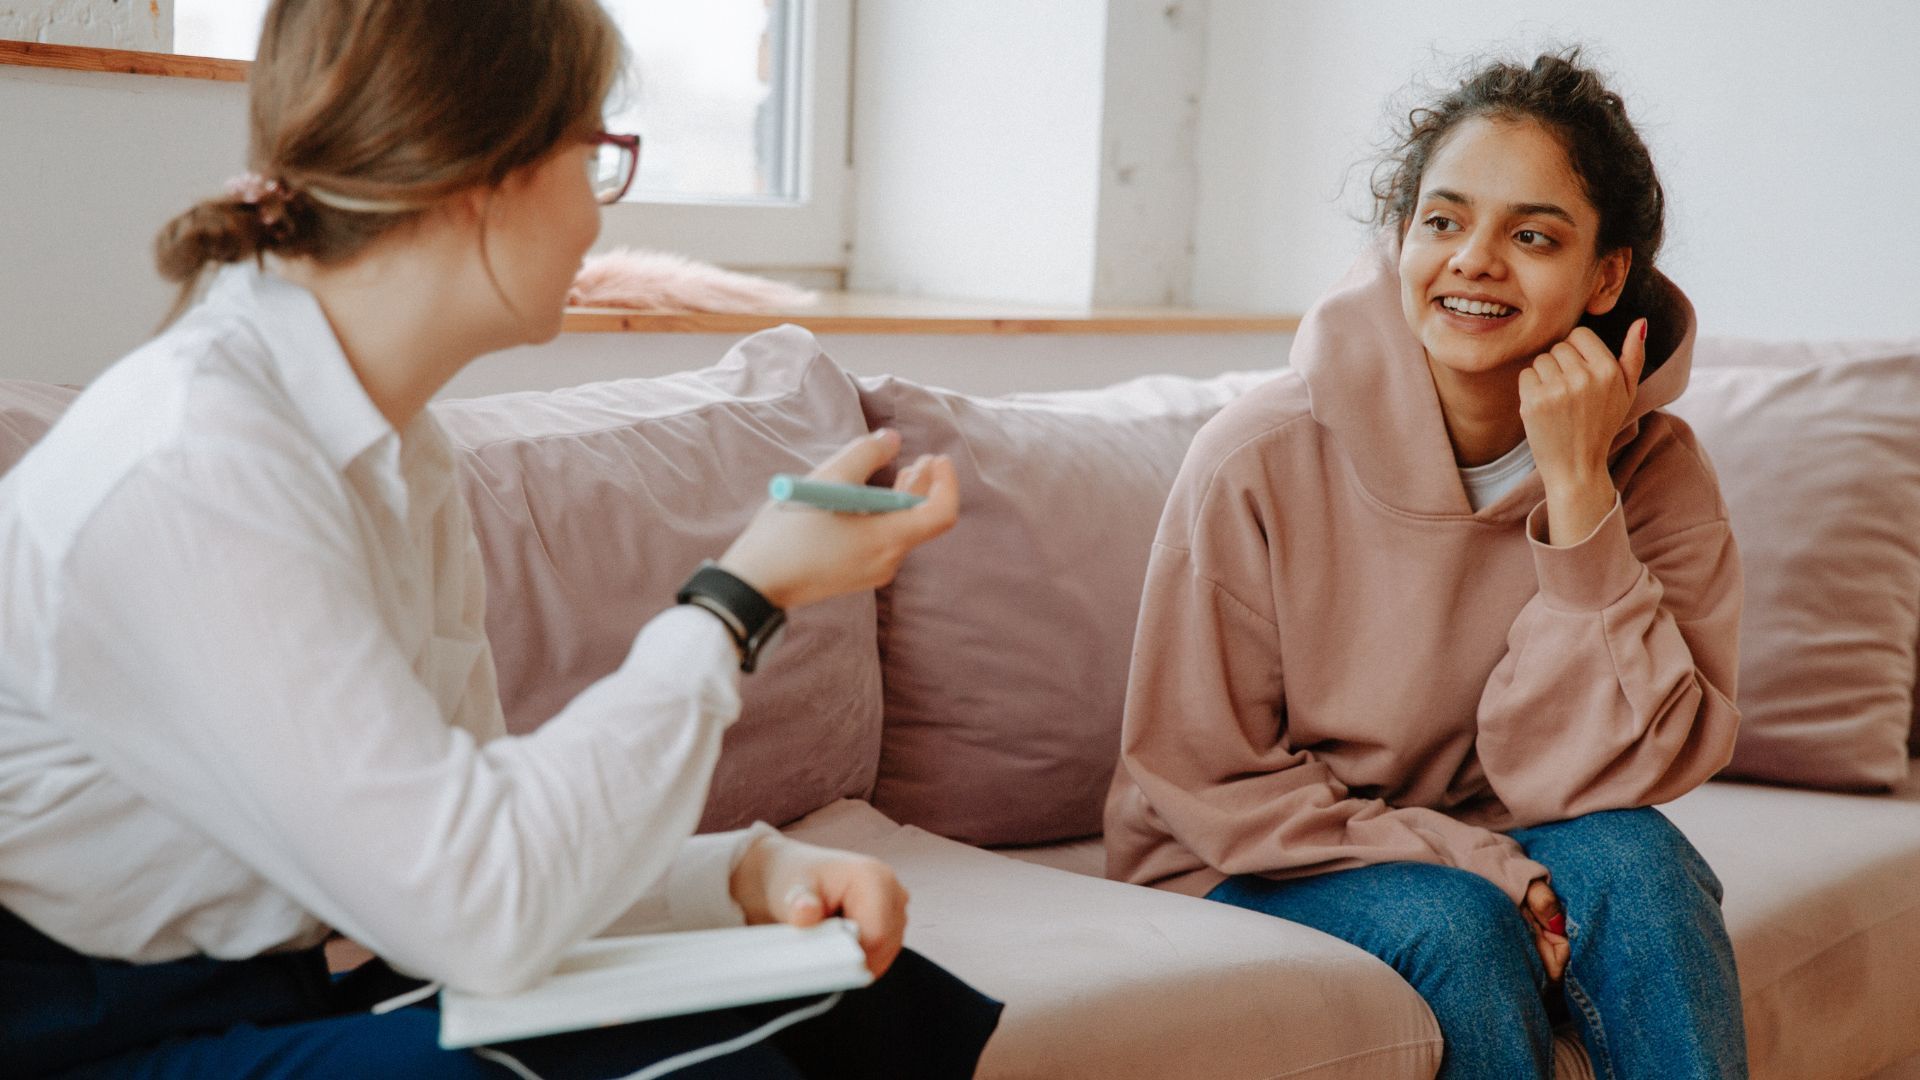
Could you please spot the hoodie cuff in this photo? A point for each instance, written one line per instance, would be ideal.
(1588, 576)
(1507, 866)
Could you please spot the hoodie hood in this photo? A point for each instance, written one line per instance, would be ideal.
(1368, 384)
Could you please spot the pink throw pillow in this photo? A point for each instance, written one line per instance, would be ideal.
(1818, 452)
(1005, 643)
(594, 504)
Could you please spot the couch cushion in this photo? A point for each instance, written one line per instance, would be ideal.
(1106, 981)
(1088, 856)
(1821, 906)
(1820, 467)
(592, 506)
(1825, 917)
(1005, 644)
(27, 410)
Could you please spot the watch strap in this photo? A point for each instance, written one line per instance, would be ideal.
(750, 618)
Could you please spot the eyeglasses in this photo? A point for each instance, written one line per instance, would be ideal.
(615, 160)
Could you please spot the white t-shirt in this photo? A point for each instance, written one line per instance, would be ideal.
(1487, 484)
(246, 693)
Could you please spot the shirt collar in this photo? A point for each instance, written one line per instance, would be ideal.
(307, 360)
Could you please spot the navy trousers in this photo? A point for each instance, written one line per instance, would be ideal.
(283, 1017)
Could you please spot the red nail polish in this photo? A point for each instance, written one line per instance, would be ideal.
(1643, 329)
(1558, 924)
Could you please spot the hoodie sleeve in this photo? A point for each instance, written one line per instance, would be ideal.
(1204, 739)
(1617, 687)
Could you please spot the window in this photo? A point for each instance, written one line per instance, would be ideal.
(709, 89)
(742, 105)
(229, 29)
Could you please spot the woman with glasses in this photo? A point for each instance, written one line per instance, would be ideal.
(246, 698)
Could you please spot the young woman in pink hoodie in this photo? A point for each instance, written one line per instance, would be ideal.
(1434, 620)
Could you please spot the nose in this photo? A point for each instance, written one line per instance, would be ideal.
(1478, 256)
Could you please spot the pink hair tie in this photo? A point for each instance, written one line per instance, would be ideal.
(252, 189)
(267, 197)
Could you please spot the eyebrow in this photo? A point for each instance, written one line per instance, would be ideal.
(1527, 209)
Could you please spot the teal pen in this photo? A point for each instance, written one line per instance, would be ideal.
(840, 498)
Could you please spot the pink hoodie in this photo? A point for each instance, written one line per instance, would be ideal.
(1338, 663)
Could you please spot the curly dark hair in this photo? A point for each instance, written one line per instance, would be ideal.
(1604, 150)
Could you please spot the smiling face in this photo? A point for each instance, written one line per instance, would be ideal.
(1498, 261)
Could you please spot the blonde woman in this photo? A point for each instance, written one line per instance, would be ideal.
(246, 698)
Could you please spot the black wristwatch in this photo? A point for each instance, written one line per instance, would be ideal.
(750, 617)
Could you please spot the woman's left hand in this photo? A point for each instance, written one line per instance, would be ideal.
(1573, 401)
(782, 880)
(1548, 921)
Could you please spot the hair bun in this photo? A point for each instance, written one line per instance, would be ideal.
(215, 230)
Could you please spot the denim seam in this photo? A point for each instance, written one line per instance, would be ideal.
(1593, 1023)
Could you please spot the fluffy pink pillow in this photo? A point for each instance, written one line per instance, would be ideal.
(1005, 643)
(592, 506)
(1818, 452)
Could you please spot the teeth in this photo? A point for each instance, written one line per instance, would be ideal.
(1475, 307)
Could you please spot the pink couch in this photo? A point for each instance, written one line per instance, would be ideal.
(962, 723)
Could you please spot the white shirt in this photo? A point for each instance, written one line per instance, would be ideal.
(246, 693)
(1487, 484)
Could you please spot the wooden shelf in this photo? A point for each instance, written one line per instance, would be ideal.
(123, 61)
(870, 313)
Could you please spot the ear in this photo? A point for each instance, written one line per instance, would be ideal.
(1610, 279)
(471, 204)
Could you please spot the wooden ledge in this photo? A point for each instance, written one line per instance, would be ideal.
(871, 313)
(123, 61)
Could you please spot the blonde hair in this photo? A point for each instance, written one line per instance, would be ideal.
(364, 113)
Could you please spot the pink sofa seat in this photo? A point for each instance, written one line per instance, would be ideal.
(1105, 981)
(1822, 907)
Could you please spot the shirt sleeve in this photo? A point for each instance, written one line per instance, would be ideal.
(1617, 687)
(220, 649)
(697, 893)
(1204, 737)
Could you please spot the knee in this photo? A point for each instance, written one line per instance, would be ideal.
(1463, 925)
(1635, 856)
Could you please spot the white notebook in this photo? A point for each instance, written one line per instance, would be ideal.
(618, 980)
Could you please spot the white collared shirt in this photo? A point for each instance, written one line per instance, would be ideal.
(246, 693)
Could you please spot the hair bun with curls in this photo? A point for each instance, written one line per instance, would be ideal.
(256, 215)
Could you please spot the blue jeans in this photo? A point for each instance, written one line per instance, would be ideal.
(1650, 981)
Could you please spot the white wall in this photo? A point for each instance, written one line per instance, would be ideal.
(1031, 152)
(1149, 177)
(976, 148)
(92, 166)
(106, 24)
(1787, 135)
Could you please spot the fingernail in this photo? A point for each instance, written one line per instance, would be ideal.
(1557, 925)
(800, 896)
(1643, 329)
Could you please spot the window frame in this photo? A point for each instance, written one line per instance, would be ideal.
(809, 234)
(808, 237)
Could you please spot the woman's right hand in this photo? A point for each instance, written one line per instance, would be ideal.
(784, 880)
(796, 555)
(1544, 913)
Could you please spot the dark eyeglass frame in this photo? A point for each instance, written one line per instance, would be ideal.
(629, 143)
